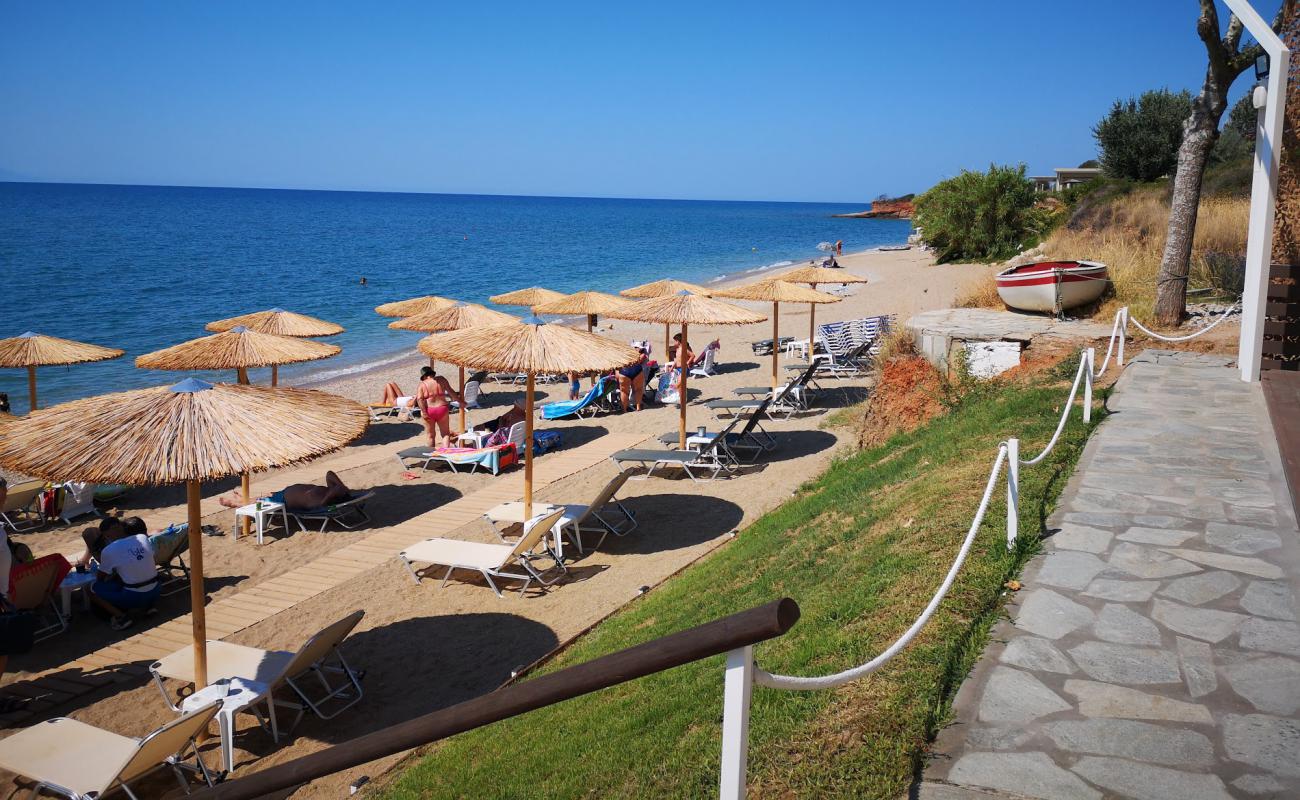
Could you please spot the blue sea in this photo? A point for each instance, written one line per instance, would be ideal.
(145, 267)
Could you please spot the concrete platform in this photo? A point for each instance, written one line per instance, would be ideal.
(1154, 651)
(939, 334)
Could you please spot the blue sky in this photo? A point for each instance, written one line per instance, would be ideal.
(753, 100)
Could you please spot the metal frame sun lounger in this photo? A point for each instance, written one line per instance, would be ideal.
(261, 672)
(752, 438)
(714, 457)
(403, 413)
(786, 402)
(349, 514)
(579, 518)
(490, 560)
(587, 404)
(79, 761)
(21, 509)
(34, 587)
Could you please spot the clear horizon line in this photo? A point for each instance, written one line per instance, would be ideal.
(447, 194)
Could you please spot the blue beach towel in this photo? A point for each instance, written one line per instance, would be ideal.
(564, 408)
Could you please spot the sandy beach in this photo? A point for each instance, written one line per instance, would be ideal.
(423, 647)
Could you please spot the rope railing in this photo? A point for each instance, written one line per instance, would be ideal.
(1009, 454)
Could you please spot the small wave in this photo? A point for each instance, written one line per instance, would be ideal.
(342, 372)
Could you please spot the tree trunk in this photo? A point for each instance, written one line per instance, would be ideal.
(1200, 132)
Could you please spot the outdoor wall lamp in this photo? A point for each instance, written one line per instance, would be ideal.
(1261, 66)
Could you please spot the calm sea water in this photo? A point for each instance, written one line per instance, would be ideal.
(142, 267)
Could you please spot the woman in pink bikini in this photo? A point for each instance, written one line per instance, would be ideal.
(435, 409)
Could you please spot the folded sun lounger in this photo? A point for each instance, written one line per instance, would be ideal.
(77, 760)
(490, 560)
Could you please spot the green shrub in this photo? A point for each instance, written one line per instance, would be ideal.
(1242, 118)
(981, 216)
(1139, 138)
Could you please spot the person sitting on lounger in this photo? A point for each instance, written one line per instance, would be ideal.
(299, 496)
(97, 538)
(516, 413)
(127, 577)
(392, 393)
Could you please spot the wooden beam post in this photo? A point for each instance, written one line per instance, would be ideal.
(197, 595)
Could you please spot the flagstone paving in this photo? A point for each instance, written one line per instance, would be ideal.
(1154, 650)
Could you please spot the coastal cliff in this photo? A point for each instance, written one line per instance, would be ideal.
(893, 208)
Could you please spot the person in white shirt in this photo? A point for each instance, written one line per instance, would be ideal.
(128, 576)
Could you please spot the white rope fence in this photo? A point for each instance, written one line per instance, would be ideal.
(1008, 453)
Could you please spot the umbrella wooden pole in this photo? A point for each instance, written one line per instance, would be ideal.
(245, 523)
(31, 388)
(681, 398)
(462, 400)
(275, 374)
(241, 376)
(197, 597)
(668, 342)
(812, 327)
(528, 451)
(776, 340)
(246, 489)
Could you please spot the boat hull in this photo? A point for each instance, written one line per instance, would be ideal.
(1052, 286)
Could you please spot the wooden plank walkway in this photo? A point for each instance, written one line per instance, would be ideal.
(129, 658)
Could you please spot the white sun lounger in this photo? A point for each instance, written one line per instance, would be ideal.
(595, 518)
(490, 560)
(77, 760)
(267, 670)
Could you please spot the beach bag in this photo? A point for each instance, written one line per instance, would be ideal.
(17, 631)
(546, 441)
(52, 502)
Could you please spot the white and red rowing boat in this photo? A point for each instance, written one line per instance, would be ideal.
(1052, 286)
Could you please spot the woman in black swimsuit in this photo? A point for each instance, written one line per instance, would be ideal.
(631, 381)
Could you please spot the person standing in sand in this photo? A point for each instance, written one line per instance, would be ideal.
(839, 247)
(435, 409)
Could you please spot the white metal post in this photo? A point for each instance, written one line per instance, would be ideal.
(1013, 492)
(1263, 190)
(738, 688)
(1123, 334)
(1089, 356)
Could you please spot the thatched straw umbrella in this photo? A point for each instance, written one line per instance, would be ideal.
(532, 347)
(189, 432)
(663, 288)
(813, 276)
(532, 297)
(777, 292)
(685, 308)
(281, 323)
(453, 318)
(32, 350)
(589, 304)
(413, 306)
(237, 349)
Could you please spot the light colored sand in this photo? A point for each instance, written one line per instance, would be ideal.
(461, 641)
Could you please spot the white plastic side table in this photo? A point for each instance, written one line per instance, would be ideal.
(73, 582)
(236, 695)
(260, 512)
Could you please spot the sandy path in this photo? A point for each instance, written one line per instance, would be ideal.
(461, 641)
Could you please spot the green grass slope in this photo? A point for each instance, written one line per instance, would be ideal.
(861, 549)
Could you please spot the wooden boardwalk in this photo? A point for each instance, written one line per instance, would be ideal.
(129, 658)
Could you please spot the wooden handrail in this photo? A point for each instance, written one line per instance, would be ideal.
(711, 639)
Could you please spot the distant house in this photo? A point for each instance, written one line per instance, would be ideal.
(1064, 178)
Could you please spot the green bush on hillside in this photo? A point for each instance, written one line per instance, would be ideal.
(981, 216)
(1139, 138)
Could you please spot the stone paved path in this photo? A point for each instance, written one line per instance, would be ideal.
(1154, 650)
